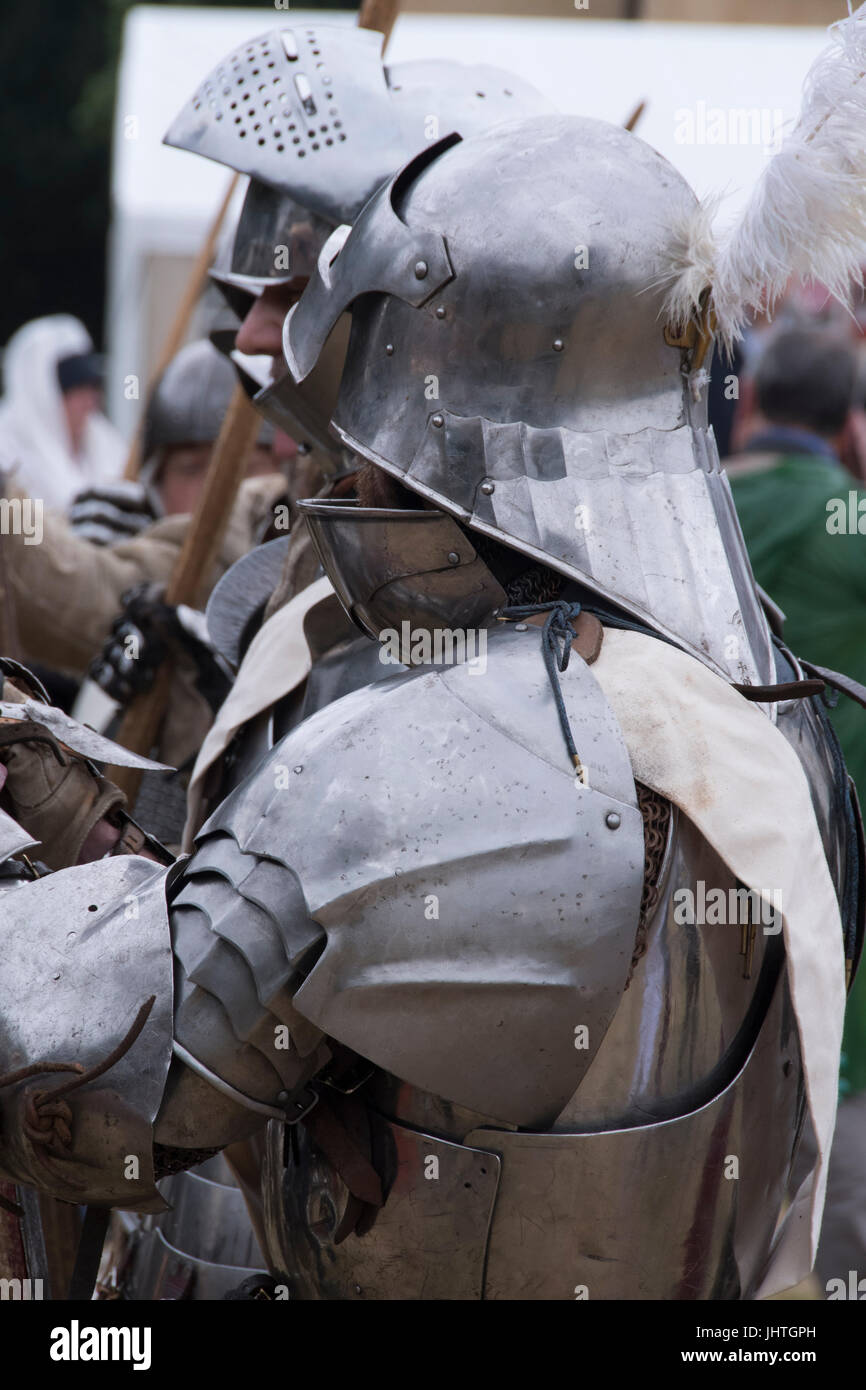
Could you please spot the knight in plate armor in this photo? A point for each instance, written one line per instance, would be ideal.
(470, 941)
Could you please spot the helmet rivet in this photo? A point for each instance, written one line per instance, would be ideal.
(613, 820)
(299, 768)
(420, 270)
(389, 349)
(453, 557)
(558, 345)
(488, 488)
(440, 312)
(520, 627)
(438, 421)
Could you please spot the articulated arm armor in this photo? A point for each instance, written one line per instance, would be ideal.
(506, 1071)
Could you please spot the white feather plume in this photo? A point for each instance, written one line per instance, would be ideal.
(807, 214)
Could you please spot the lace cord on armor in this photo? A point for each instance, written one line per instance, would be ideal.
(557, 636)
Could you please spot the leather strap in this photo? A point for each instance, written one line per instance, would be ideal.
(785, 690)
(590, 635)
(344, 1139)
(845, 684)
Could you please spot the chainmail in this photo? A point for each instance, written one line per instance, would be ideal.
(169, 1160)
(656, 813)
(536, 585)
(522, 585)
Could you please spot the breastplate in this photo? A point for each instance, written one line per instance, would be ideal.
(654, 1183)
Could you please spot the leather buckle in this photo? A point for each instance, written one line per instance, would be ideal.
(352, 1080)
(298, 1104)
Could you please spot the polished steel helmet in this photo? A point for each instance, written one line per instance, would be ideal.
(275, 242)
(318, 122)
(509, 362)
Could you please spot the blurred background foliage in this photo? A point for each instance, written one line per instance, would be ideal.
(58, 65)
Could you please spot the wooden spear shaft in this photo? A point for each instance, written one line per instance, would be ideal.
(379, 14)
(140, 727)
(177, 333)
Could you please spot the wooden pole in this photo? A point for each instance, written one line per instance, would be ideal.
(380, 15)
(140, 727)
(180, 324)
(635, 116)
(141, 724)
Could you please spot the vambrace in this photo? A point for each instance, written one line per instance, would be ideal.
(93, 1106)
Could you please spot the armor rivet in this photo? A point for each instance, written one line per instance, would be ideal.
(389, 349)
(282, 1098)
(440, 312)
(488, 488)
(613, 820)
(357, 1288)
(558, 345)
(453, 557)
(438, 421)
(299, 768)
(520, 627)
(420, 270)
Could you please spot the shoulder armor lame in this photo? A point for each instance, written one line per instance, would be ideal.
(104, 949)
(445, 783)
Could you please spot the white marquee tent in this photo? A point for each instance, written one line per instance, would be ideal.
(717, 97)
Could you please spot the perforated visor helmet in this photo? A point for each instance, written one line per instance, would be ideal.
(276, 241)
(318, 123)
(509, 363)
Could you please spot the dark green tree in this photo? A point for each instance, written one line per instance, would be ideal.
(58, 66)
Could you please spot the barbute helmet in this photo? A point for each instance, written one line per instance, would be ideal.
(509, 363)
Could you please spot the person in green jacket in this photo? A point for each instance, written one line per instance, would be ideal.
(803, 517)
(804, 523)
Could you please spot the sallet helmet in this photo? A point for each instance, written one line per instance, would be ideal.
(509, 363)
